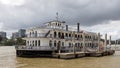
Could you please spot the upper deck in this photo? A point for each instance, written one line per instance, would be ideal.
(57, 29)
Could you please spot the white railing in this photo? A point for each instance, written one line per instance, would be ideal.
(113, 47)
(19, 47)
(91, 49)
(65, 48)
(36, 35)
(71, 49)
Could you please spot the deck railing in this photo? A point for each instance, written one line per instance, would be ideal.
(63, 49)
(19, 47)
(36, 35)
(71, 49)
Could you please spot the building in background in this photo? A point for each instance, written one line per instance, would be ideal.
(19, 34)
(3, 34)
(15, 35)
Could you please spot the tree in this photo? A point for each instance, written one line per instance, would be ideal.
(11, 42)
(8, 42)
(20, 41)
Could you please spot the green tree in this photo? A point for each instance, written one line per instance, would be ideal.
(9, 42)
(20, 41)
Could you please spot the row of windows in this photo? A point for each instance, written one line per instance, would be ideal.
(51, 43)
(55, 43)
(31, 34)
(62, 35)
(34, 43)
(57, 24)
(81, 44)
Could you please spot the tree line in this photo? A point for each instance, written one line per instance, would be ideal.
(11, 42)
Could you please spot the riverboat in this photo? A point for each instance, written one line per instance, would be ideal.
(55, 39)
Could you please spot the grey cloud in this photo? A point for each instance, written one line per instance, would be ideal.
(36, 12)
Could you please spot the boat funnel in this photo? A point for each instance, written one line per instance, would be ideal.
(78, 27)
(66, 27)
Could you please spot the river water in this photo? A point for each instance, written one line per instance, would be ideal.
(8, 59)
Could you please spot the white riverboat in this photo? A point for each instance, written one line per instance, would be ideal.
(55, 39)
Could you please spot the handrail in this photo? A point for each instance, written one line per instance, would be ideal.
(35, 48)
(36, 35)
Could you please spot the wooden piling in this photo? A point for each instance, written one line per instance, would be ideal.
(74, 50)
(98, 42)
(84, 50)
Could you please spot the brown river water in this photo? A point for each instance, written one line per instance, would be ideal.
(8, 59)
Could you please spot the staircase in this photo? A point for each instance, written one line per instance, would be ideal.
(47, 33)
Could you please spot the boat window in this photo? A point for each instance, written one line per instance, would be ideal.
(90, 44)
(35, 42)
(75, 35)
(30, 34)
(75, 44)
(55, 43)
(55, 34)
(38, 42)
(63, 44)
(81, 44)
(81, 36)
(30, 43)
(66, 34)
(69, 35)
(85, 36)
(78, 36)
(69, 44)
(27, 42)
(60, 24)
(62, 35)
(59, 34)
(78, 44)
(50, 43)
(35, 33)
(90, 37)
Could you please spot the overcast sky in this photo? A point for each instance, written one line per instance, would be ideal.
(94, 15)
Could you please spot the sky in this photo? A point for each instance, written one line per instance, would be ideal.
(94, 15)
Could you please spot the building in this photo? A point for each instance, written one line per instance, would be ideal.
(19, 34)
(3, 34)
(15, 35)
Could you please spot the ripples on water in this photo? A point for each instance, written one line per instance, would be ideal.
(9, 60)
